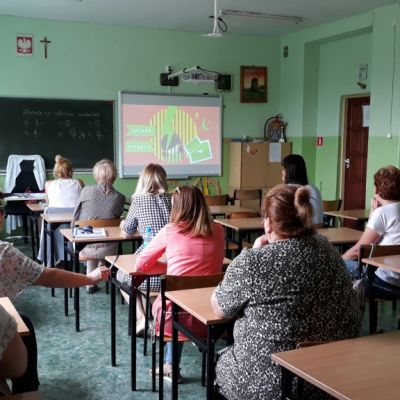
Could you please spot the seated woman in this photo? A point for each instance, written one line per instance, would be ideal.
(99, 201)
(291, 287)
(17, 272)
(63, 191)
(13, 354)
(294, 171)
(193, 245)
(150, 208)
(383, 226)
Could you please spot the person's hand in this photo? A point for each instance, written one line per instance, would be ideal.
(375, 203)
(100, 274)
(260, 242)
(122, 224)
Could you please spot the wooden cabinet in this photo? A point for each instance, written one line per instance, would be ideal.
(256, 165)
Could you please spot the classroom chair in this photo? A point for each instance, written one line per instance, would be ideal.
(170, 283)
(247, 194)
(23, 173)
(330, 205)
(217, 200)
(99, 223)
(374, 290)
(230, 242)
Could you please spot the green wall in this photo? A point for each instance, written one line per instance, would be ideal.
(95, 61)
(321, 69)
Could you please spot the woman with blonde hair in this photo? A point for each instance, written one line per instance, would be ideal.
(291, 287)
(63, 191)
(99, 201)
(193, 245)
(150, 208)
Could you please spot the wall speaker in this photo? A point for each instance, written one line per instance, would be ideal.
(164, 81)
(224, 83)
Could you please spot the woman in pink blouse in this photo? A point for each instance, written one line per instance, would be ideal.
(193, 245)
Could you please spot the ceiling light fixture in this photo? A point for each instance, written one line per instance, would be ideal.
(219, 25)
(239, 13)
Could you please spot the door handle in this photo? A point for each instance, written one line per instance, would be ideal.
(347, 162)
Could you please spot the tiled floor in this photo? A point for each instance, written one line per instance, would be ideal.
(77, 365)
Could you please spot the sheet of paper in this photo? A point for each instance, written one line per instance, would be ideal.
(365, 112)
(275, 152)
(97, 232)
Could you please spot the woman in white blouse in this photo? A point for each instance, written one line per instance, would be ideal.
(64, 191)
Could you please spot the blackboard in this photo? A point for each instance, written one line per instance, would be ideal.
(81, 130)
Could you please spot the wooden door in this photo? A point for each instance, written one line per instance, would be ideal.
(356, 152)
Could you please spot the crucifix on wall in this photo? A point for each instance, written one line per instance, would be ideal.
(45, 43)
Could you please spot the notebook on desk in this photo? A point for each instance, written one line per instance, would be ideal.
(82, 233)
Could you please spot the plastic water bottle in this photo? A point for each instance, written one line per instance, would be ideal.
(148, 235)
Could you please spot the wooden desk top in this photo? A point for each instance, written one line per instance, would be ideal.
(242, 224)
(36, 207)
(390, 263)
(9, 307)
(58, 218)
(364, 368)
(25, 197)
(126, 263)
(24, 396)
(197, 302)
(340, 235)
(355, 215)
(113, 234)
(221, 210)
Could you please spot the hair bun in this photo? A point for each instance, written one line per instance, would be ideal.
(58, 158)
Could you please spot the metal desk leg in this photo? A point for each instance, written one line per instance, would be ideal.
(210, 363)
(286, 384)
(76, 290)
(32, 232)
(53, 291)
(65, 290)
(132, 310)
(175, 365)
(113, 320)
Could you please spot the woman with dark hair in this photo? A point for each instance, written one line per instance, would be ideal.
(291, 287)
(383, 226)
(294, 171)
(193, 245)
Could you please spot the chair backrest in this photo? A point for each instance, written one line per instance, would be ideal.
(332, 205)
(247, 194)
(58, 210)
(376, 250)
(220, 200)
(99, 223)
(181, 282)
(245, 214)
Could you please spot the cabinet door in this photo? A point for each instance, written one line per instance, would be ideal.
(254, 162)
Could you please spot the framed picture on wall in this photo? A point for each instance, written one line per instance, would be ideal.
(24, 44)
(253, 84)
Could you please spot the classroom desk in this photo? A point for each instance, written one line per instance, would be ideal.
(337, 236)
(188, 300)
(390, 263)
(359, 215)
(25, 197)
(24, 396)
(364, 368)
(36, 210)
(9, 307)
(242, 226)
(50, 223)
(126, 263)
(113, 234)
(224, 210)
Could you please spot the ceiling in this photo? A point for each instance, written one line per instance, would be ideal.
(191, 15)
